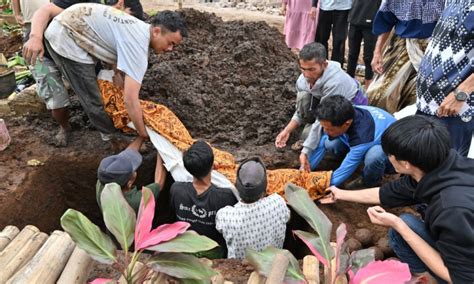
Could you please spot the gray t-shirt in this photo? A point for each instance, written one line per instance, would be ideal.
(87, 32)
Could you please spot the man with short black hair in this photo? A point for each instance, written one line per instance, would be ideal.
(197, 202)
(256, 221)
(443, 243)
(320, 78)
(352, 132)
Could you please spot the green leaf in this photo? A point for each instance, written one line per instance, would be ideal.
(262, 262)
(188, 242)
(194, 281)
(299, 199)
(361, 258)
(316, 246)
(88, 236)
(119, 217)
(180, 265)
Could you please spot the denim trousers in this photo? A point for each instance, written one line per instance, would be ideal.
(376, 162)
(404, 252)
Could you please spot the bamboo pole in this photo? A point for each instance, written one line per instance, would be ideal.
(7, 235)
(24, 255)
(46, 266)
(77, 268)
(9, 252)
(256, 278)
(278, 270)
(311, 269)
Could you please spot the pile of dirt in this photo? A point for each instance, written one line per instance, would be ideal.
(231, 83)
(11, 44)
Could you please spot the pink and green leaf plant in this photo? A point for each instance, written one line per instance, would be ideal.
(172, 244)
(359, 266)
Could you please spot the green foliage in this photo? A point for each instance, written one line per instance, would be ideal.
(180, 265)
(262, 261)
(188, 242)
(88, 236)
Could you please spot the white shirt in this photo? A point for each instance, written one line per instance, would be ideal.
(253, 225)
(86, 32)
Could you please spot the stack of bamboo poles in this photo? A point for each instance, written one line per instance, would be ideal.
(31, 256)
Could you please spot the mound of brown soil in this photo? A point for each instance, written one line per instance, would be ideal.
(231, 83)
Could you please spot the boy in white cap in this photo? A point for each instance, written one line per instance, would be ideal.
(256, 221)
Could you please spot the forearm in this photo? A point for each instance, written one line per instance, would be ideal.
(467, 85)
(16, 8)
(292, 125)
(366, 196)
(135, 113)
(381, 40)
(136, 144)
(430, 257)
(160, 171)
(40, 20)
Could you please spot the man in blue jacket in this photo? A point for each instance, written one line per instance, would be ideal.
(353, 132)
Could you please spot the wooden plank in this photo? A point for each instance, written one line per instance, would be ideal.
(7, 235)
(256, 278)
(278, 270)
(9, 252)
(22, 257)
(311, 269)
(77, 268)
(46, 266)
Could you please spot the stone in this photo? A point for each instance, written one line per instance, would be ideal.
(365, 237)
(5, 109)
(26, 102)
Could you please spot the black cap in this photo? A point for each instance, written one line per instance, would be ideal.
(251, 180)
(119, 168)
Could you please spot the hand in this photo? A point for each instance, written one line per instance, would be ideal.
(332, 196)
(282, 138)
(450, 106)
(33, 49)
(313, 12)
(20, 20)
(283, 9)
(379, 216)
(377, 62)
(304, 163)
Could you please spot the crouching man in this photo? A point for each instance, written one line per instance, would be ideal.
(443, 243)
(256, 221)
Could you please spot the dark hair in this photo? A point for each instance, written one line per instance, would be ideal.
(313, 50)
(420, 140)
(170, 21)
(335, 109)
(198, 159)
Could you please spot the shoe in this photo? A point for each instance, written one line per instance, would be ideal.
(297, 146)
(61, 139)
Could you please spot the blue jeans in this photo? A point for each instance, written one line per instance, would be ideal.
(405, 252)
(376, 163)
(460, 132)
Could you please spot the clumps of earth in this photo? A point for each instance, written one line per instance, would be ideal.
(231, 83)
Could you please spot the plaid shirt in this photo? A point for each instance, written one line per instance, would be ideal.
(449, 58)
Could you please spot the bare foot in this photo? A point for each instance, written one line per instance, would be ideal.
(61, 139)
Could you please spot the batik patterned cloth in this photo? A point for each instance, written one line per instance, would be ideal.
(167, 124)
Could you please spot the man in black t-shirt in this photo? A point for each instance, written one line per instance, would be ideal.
(443, 242)
(197, 202)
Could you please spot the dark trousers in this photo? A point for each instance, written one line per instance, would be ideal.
(356, 34)
(460, 132)
(83, 80)
(335, 21)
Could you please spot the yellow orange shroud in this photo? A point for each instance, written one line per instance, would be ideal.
(167, 124)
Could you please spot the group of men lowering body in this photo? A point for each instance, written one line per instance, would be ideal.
(339, 121)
